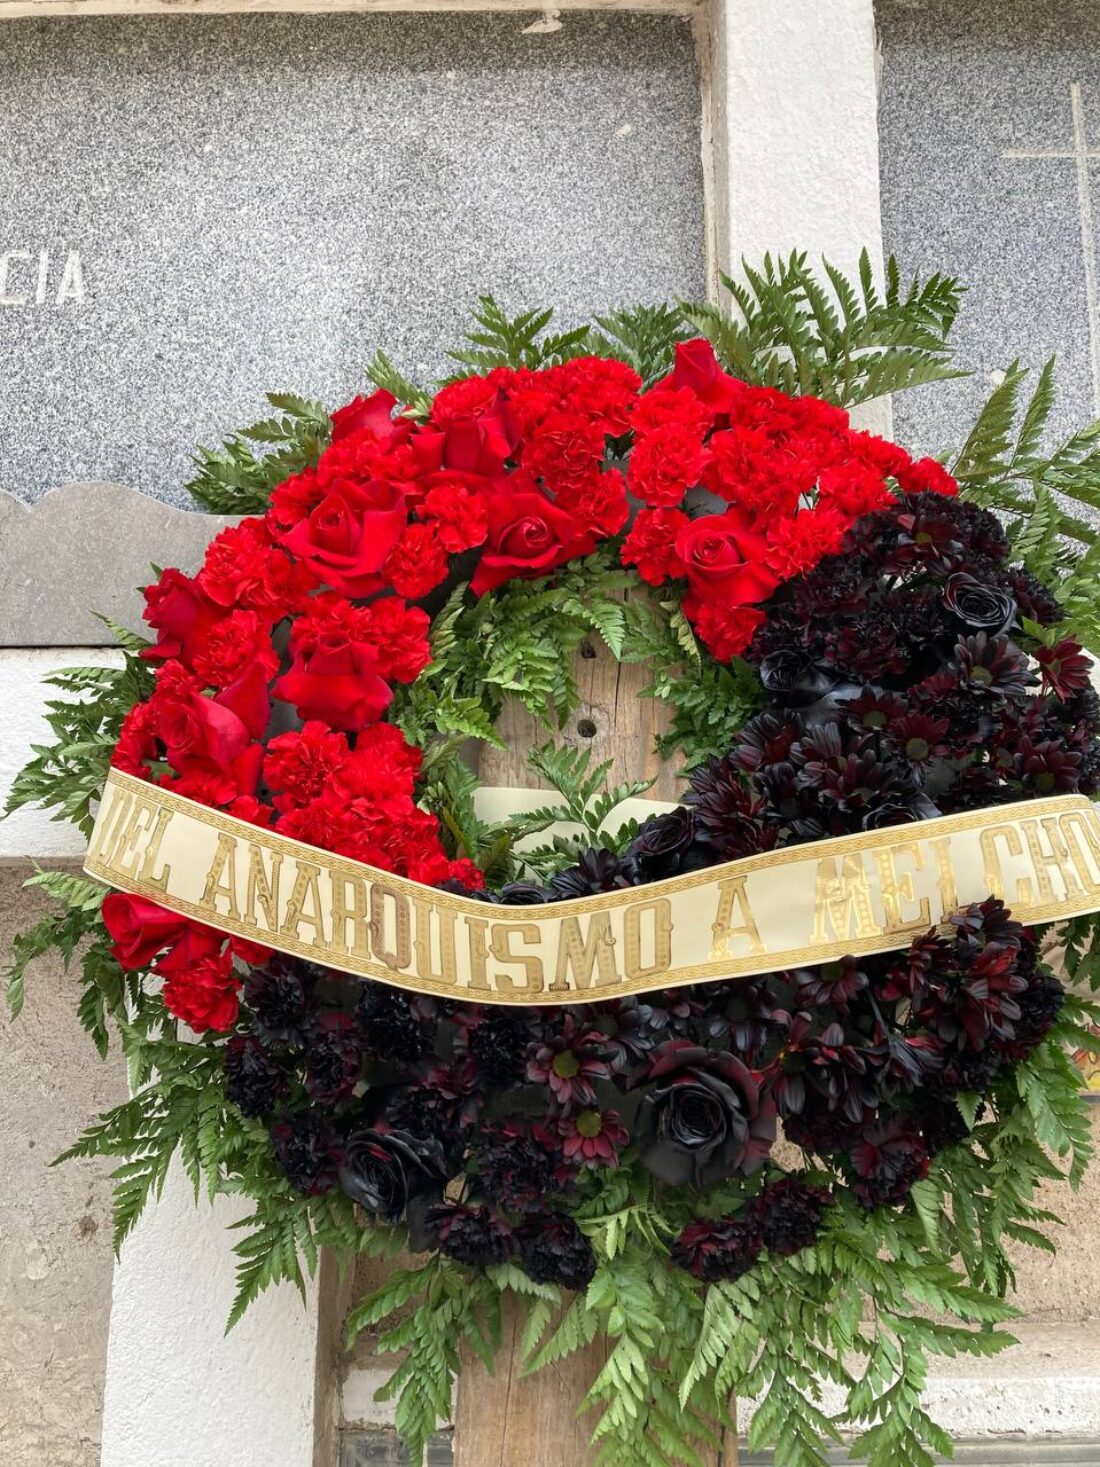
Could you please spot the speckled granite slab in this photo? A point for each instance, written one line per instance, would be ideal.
(196, 209)
(990, 158)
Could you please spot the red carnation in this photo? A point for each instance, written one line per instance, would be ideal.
(400, 634)
(228, 647)
(302, 764)
(926, 474)
(665, 464)
(529, 536)
(204, 995)
(244, 567)
(602, 389)
(418, 563)
(726, 630)
(346, 539)
(724, 561)
(598, 503)
(795, 545)
(565, 450)
(457, 509)
(651, 544)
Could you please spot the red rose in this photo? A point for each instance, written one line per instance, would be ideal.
(140, 928)
(528, 537)
(194, 943)
(334, 675)
(181, 613)
(725, 562)
(372, 414)
(204, 996)
(193, 727)
(346, 539)
(697, 369)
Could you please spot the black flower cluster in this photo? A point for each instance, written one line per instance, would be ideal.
(900, 684)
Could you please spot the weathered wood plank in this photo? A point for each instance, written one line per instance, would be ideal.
(504, 1420)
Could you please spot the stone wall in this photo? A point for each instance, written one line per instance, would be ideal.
(56, 1261)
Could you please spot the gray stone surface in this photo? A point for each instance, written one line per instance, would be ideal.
(54, 555)
(963, 83)
(259, 201)
(55, 1223)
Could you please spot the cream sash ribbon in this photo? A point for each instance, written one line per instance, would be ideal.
(795, 907)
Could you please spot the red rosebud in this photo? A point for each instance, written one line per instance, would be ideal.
(195, 943)
(697, 368)
(140, 928)
(181, 613)
(372, 414)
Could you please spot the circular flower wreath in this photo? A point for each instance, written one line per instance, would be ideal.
(891, 640)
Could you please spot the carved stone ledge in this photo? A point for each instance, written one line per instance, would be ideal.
(85, 548)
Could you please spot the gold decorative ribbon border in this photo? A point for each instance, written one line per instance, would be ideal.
(790, 908)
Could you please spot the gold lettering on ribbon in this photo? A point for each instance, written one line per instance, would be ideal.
(993, 874)
(262, 888)
(843, 898)
(350, 916)
(731, 893)
(1084, 848)
(304, 905)
(1054, 858)
(147, 873)
(399, 955)
(584, 954)
(945, 874)
(447, 970)
(478, 927)
(896, 887)
(221, 879)
(660, 910)
(500, 945)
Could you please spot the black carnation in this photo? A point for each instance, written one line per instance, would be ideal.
(555, 1251)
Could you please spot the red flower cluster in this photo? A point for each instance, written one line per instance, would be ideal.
(307, 607)
(792, 472)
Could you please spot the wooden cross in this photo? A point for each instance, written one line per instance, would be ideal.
(1081, 156)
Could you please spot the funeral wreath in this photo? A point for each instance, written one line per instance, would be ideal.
(761, 1087)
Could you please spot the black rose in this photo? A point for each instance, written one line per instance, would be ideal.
(793, 681)
(663, 843)
(383, 1170)
(702, 1117)
(899, 810)
(978, 607)
(524, 894)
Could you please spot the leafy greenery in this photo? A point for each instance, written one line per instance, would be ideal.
(844, 341)
(236, 479)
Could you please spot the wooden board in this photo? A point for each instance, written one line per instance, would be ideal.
(505, 1419)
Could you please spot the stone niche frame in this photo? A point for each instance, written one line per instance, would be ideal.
(789, 138)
